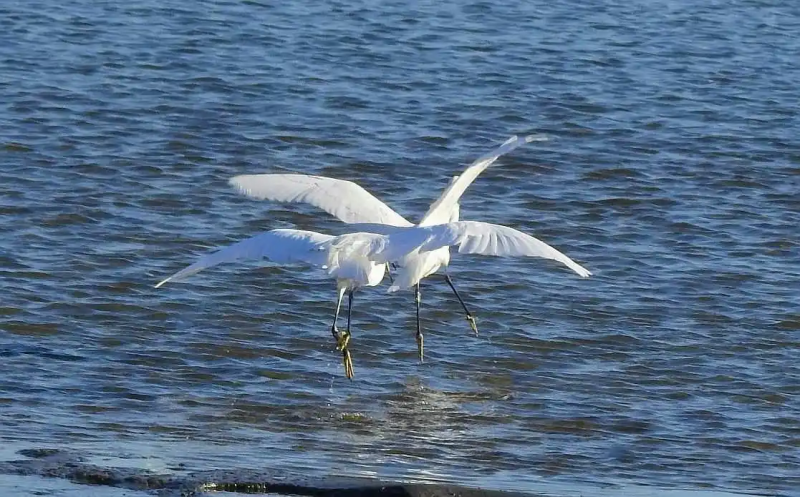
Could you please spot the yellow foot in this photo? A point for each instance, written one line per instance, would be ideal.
(421, 347)
(348, 363)
(472, 324)
(342, 340)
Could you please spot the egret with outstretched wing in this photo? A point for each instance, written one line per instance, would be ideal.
(348, 258)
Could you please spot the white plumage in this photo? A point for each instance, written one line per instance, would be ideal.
(471, 237)
(281, 246)
(343, 199)
(350, 258)
(359, 259)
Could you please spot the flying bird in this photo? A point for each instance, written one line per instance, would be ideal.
(347, 258)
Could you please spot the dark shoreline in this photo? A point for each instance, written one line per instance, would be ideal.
(55, 463)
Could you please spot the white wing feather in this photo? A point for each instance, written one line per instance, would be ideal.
(471, 237)
(474, 237)
(441, 211)
(280, 246)
(343, 199)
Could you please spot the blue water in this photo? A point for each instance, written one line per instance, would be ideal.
(672, 173)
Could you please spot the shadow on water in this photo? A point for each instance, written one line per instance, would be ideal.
(54, 463)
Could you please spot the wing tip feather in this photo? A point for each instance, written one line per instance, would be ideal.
(237, 184)
(582, 271)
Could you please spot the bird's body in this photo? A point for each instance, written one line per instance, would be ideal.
(411, 269)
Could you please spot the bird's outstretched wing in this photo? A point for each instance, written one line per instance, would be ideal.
(475, 237)
(280, 246)
(471, 237)
(343, 199)
(439, 212)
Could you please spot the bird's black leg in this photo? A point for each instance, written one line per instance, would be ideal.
(334, 329)
(470, 317)
(420, 339)
(389, 272)
(344, 339)
(349, 310)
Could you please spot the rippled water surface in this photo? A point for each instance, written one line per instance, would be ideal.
(673, 173)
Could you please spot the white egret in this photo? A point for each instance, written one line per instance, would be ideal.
(359, 259)
(353, 204)
(345, 257)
